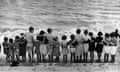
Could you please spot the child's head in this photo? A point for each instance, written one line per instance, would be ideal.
(5, 39)
(31, 29)
(22, 35)
(112, 35)
(86, 32)
(42, 32)
(55, 38)
(78, 31)
(72, 36)
(64, 37)
(107, 35)
(100, 34)
(49, 30)
(17, 38)
(91, 34)
(11, 40)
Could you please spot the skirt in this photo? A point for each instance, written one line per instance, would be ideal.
(99, 48)
(107, 49)
(49, 49)
(113, 50)
(85, 47)
(79, 50)
(65, 51)
(72, 50)
(56, 52)
(43, 49)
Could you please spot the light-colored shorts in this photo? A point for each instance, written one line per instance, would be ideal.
(113, 50)
(72, 50)
(107, 49)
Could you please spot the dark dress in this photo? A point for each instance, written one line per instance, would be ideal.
(56, 48)
(99, 45)
(91, 44)
(6, 48)
(22, 47)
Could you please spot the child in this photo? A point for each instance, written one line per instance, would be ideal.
(37, 46)
(50, 43)
(56, 48)
(30, 43)
(11, 49)
(64, 48)
(72, 44)
(16, 48)
(79, 49)
(43, 44)
(6, 48)
(107, 42)
(85, 45)
(22, 47)
(113, 49)
(99, 45)
(91, 46)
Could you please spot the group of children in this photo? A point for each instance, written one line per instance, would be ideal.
(46, 44)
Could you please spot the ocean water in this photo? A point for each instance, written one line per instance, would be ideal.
(97, 14)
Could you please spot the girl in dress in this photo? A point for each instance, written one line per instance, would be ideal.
(107, 41)
(16, 48)
(113, 49)
(56, 48)
(79, 48)
(22, 47)
(11, 49)
(50, 44)
(72, 44)
(85, 45)
(43, 44)
(99, 45)
(91, 46)
(37, 48)
(6, 48)
(64, 48)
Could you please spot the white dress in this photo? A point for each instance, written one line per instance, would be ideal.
(114, 47)
(85, 45)
(107, 47)
(79, 48)
(64, 47)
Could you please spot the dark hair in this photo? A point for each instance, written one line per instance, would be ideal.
(5, 38)
(72, 36)
(49, 30)
(21, 34)
(78, 31)
(42, 32)
(55, 38)
(86, 31)
(31, 28)
(100, 33)
(112, 34)
(90, 33)
(11, 40)
(64, 37)
(107, 35)
(17, 37)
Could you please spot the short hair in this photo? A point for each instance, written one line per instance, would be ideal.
(17, 37)
(86, 31)
(90, 33)
(11, 40)
(107, 35)
(64, 37)
(31, 28)
(21, 34)
(42, 32)
(72, 36)
(100, 33)
(5, 38)
(49, 30)
(78, 31)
